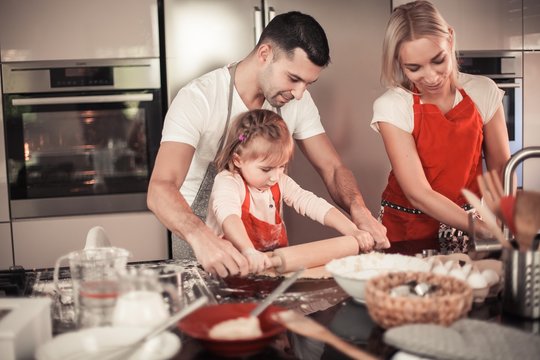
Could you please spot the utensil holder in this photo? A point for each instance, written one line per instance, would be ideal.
(521, 294)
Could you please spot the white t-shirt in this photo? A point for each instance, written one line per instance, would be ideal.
(229, 192)
(198, 114)
(395, 106)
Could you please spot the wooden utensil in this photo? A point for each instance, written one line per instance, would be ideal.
(313, 254)
(527, 218)
(305, 326)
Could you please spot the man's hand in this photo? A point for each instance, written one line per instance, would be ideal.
(219, 256)
(365, 240)
(362, 217)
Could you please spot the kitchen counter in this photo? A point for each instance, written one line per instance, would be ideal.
(321, 299)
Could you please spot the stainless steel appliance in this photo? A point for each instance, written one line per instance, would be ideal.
(506, 69)
(201, 35)
(81, 136)
(6, 245)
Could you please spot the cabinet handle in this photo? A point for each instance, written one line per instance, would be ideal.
(83, 99)
(270, 15)
(258, 22)
(508, 85)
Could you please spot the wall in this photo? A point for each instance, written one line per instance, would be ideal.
(344, 95)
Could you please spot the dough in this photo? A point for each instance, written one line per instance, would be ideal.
(236, 329)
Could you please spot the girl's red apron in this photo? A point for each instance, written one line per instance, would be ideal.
(263, 235)
(450, 149)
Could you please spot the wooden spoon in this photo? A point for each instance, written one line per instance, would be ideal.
(527, 218)
(305, 326)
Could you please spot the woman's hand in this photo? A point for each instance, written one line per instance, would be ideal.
(257, 260)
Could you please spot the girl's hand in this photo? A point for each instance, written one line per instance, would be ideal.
(257, 260)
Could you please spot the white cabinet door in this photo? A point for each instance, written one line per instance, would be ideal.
(203, 35)
(531, 118)
(39, 242)
(78, 29)
(531, 24)
(6, 253)
(483, 24)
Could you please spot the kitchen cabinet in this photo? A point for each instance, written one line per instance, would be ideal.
(39, 242)
(531, 118)
(201, 36)
(483, 24)
(531, 24)
(78, 29)
(6, 250)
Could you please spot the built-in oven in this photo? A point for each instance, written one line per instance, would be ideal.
(506, 69)
(81, 136)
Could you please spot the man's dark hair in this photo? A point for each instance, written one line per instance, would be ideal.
(296, 30)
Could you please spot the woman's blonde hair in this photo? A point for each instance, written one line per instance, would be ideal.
(412, 21)
(256, 134)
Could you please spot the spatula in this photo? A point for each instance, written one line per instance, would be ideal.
(306, 326)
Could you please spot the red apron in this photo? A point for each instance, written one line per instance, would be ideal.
(450, 150)
(263, 235)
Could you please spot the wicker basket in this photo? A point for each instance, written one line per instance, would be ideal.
(451, 301)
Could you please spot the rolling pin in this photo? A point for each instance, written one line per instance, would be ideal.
(313, 254)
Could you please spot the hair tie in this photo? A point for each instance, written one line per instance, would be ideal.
(242, 137)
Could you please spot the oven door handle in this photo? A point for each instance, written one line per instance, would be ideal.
(508, 85)
(83, 99)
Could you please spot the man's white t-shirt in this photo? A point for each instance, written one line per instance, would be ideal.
(395, 106)
(198, 114)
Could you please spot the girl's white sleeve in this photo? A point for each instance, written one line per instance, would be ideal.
(302, 201)
(228, 193)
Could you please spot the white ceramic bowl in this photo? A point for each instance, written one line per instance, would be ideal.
(354, 283)
(353, 272)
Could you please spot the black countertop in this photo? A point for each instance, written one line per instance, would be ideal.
(321, 299)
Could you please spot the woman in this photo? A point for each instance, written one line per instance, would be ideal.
(435, 122)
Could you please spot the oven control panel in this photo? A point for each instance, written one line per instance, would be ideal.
(81, 76)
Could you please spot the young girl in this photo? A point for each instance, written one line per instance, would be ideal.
(246, 200)
(435, 123)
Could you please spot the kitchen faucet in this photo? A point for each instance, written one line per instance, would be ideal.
(510, 168)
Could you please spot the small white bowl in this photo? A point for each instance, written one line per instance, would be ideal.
(353, 272)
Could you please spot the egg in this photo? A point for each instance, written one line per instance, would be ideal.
(490, 276)
(458, 273)
(449, 265)
(467, 268)
(476, 280)
(440, 270)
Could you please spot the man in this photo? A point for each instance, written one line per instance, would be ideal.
(289, 56)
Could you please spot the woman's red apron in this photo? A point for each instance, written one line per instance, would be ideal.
(263, 235)
(450, 150)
